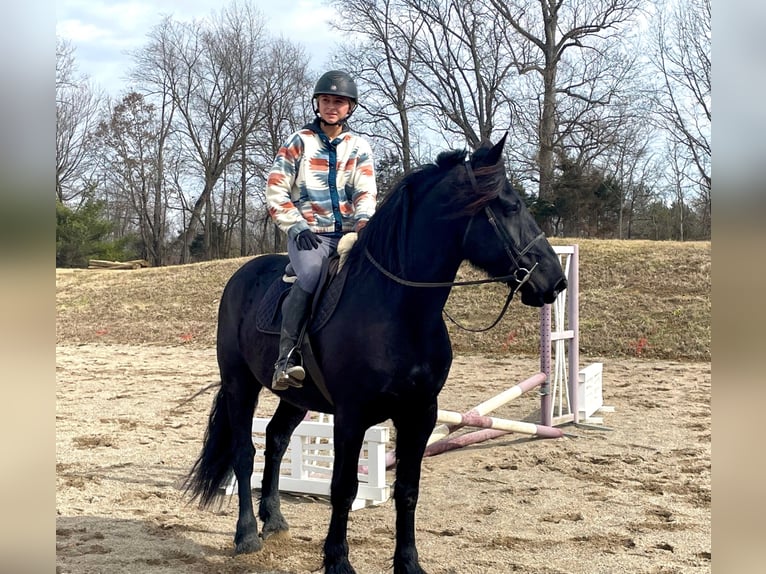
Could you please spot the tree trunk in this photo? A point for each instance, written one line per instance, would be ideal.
(195, 219)
(546, 134)
(243, 210)
(208, 230)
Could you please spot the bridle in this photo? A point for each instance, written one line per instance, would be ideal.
(520, 275)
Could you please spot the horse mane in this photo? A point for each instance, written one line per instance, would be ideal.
(388, 226)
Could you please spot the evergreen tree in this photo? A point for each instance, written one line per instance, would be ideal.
(85, 234)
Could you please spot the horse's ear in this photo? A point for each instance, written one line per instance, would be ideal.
(496, 152)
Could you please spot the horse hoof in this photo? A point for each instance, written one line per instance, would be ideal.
(248, 545)
(343, 570)
(343, 567)
(407, 566)
(274, 530)
(272, 520)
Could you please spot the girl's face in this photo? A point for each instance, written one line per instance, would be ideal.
(333, 108)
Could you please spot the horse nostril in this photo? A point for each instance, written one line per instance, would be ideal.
(550, 297)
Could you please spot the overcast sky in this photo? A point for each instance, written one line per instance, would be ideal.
(102, 32)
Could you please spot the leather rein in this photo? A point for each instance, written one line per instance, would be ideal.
(520, 275)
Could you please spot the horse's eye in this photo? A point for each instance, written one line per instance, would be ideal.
(510, 208)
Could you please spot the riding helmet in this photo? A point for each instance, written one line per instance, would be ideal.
(338, 83)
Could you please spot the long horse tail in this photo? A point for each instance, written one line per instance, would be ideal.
(214, 465)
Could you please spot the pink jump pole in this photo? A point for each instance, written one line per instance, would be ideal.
(467, 439)
(442, 430)
(508, 425)
(454, 442)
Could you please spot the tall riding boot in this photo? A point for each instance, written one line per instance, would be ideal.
(288, 371)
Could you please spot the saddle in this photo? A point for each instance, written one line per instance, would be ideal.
(268, 318)
(331, 281)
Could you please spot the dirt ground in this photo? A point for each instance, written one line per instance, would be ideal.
(634, 496)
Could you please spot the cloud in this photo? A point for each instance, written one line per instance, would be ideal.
(104, 33)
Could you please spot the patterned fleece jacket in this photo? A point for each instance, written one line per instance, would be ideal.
(322, 185)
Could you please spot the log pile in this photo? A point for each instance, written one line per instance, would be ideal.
(103, 264)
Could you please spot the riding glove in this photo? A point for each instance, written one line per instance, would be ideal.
(307, 239)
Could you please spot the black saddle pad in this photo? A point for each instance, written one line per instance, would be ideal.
(268, 319)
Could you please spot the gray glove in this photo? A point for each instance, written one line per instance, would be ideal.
(307, 239)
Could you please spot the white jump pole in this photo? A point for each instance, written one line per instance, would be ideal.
(507, 425)
(574, 325)
(562, 382)
(442, 430)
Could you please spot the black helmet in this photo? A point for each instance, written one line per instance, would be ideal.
(338, 83)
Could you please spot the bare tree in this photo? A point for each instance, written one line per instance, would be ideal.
(133, 150)
(678, 190)
(284, 87)
(384, 60)
(77, 112)
(633, 163)
(464, 65)
(542, 35)
(560, 75)
(159, 96)
(682, 94)
(239, 35)
(439, 65)
(202, 65)
(234, 94)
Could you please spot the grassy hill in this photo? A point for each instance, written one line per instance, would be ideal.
(637, 298)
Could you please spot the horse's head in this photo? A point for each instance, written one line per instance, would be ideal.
(502, 237)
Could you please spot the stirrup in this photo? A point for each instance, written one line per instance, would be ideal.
(287, 374)
(290, 377)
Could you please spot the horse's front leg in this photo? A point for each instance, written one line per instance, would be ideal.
(278, 433)
(412, 432)
(348, 439)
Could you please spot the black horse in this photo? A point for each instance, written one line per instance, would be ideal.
(384, 353)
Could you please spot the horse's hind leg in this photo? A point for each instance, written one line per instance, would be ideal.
(278, 433)
(242, 397)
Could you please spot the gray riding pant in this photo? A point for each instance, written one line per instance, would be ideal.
(308, 263)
